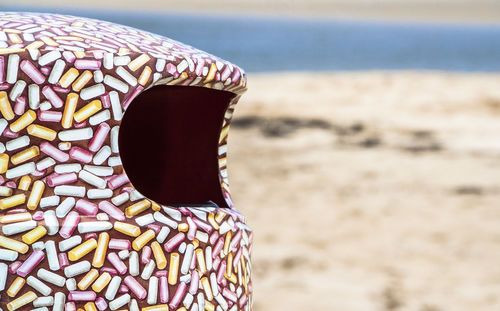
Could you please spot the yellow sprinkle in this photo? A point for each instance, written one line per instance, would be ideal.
(90, 306)
(24, 183)
(101, 282)
(42, 132)
(173, 269)
(87, 110)
(100, 252)
(161, 260)
(229, 266)
(82, 80)
(183, 227)
(82, 249)
(155, 206)
(36, 194)
(78, 34)
(14, 245)
(25, 155)
(206, 287)
(5, 191)
(138, 62)
(88, 279)
(10, 30)
(34, 235)
(17, 217)
(145, 75)
(211, 220)
(26, 119)
(211, 73)
(227, 242)
(223, 133)
(209, 306)
(137, 208)
(156, 308)
(220, 216)
(125, 228)
(195, 243)
(49, 41)
(68, 77)
(14, 38)
(200, 258)
(79, 54)
(16, 286)
(181, 78)
(10, 51)
(143, 239)
(4, 162)
(70, 38)
(12, 201)
(21, 301)
(232, 278)
(35, 45)
(5, 107)
(69, 110)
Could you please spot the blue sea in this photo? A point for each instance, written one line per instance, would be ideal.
(263, 44)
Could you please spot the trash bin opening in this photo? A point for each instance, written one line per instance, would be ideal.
(168, 143)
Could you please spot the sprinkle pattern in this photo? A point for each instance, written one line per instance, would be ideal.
(75, 234)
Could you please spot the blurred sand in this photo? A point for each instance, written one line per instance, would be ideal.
(371, 190)
(416, 10)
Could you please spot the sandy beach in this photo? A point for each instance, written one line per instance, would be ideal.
(372, 190)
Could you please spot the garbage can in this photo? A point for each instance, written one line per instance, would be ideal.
(114, 191)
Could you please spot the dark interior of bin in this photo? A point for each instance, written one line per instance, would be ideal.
(168, 143)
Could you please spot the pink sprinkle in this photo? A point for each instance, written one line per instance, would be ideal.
(236, 76)
(185, 211)
(61, 179)
(79, 125)
(91, 235)
(174, 241)
(163, 290)
(101, 304)
(20, 105)
(45, 70)
(9, 134)
(60, 89)
(214, 237)
(216, 263)
(235, 240)
(203, 225)
(80, 154)
(69, 225)
(117, 181)
(195, 280)
(145, 254)
(49, 116)
(191, 234)
(4, 86)
(226, 292)
(199, 66)
(117, 263)
(123, 289)
(120, 244)
(14, 266)
(112, 210)
(54, 152)
(82, 295)
(38, 173)
(29, 69)
(243, 300)
(38, 215)
(171, 68)
(30, 263)
(69, 56)
(105, 100)
(86, 207)
(2, 69)
(161, 273)
(53, 98)
(111, 271)
(220, 273)
(11, 184)
(135, 287)
(218, 247)
(91, 64)
(237, 257)
(70, 306)
(154, 227)
(99, 137)
(226, 73)
(129, 99)
(17, 210)
(179, 293)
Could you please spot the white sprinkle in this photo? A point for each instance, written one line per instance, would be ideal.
(100, 117)
(77, 269)
(59, 300)
(71, 284)
(162, 236)
(113, 287)
(114, 138)
(3, 275)
(201, 301)
(34, 96)
(120, 199)
(152, 290)
(57, 71)
(119, 302)
(99, 170)
(202, 236)
(17, 143)
(51, 222)
(64, 146)
(49, 57)
(116, 107)
(133, 263)
(20, 170)
(66, 244)
(99, 193)
(43, 302)
(38, 246)
(127, 76)
(165, 220)
(124, 254)
(45, 105)
(94, 226)
(74, 191)
(188, 300)
(133, 306)
(208, 257)
(3, 125)
(49, 201)
(8, 255)
(45, 163)
(148, 270)
(18, 227)
(114, 161)
(224, 228)
(50, 249)
(63, 209)
(160, 64)
(115, 83)
(12, 68)
(121, 60)
(188, 256)
(145, 220)
(34, 53)
(76, 134)
(67, 168)
(108, 60)
(175, 214)
(102, 155)
(102, 217)
(182, 66)
(38, 285)
(2, 147)
(17, 90)
(98, 76)
(92, 91)
(135, 195)
(92, 179)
